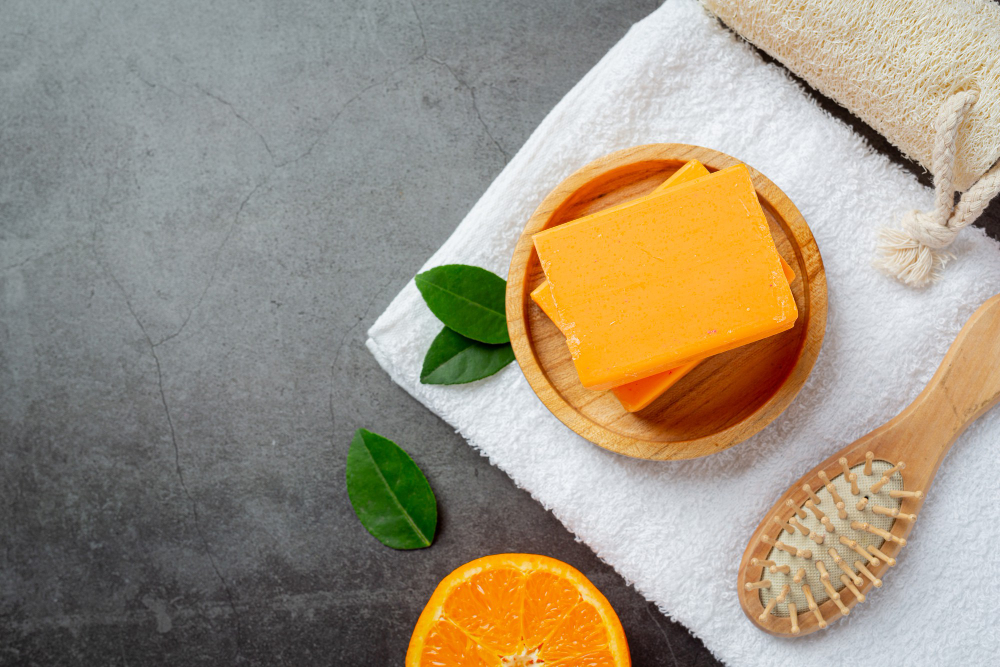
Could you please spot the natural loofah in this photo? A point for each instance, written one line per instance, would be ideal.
(893, 64)
(924, 73)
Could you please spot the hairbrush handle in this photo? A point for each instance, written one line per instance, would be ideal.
(965, 386)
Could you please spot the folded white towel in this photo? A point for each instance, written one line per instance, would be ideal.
(677, 530)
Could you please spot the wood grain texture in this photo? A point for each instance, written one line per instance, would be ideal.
(725, 399)
(965, 386)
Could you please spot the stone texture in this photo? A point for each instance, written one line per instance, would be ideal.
(203, 206)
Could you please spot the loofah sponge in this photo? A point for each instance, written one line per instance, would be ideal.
(893, 64)
(923, 73)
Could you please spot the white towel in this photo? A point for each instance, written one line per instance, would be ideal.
(677, 530)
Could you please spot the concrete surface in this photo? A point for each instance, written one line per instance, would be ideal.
(203, 206)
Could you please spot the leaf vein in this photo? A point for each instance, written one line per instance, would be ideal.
(395, 499)
(492, 311)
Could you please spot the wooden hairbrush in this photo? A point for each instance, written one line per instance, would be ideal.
(830, 538)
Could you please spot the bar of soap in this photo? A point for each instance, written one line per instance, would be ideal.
(666, 280)
(634, 396)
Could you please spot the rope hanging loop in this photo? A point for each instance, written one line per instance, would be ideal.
(917, 253)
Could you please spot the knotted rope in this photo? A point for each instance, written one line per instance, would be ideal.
(916, 253)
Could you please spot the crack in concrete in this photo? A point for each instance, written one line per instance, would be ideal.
(475, 105)
(264, 181)
(173, 438)
(215, 260)
(240, 116)
(461, 82)
(325, 132)
(42, 255)
(663, 632)
(177, 463)
(420, 24)
(134, 71)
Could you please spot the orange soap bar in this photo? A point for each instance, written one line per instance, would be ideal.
(667, 279)
(634, 396)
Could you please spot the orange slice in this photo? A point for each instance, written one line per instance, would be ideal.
(515, 610)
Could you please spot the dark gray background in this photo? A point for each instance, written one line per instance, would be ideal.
(203, 207)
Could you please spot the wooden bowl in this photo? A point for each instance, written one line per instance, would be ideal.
(726, 398)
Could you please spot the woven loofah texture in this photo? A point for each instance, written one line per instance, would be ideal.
(892, 64)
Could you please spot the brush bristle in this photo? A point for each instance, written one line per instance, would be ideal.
(861, 527)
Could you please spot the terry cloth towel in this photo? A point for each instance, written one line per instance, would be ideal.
(677, 530)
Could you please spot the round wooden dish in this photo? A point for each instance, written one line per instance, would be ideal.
(726, 398)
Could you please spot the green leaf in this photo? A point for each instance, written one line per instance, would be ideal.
(468, 299)
(389, 493)
(455, 359)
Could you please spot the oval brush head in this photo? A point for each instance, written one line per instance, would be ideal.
(829, 546)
